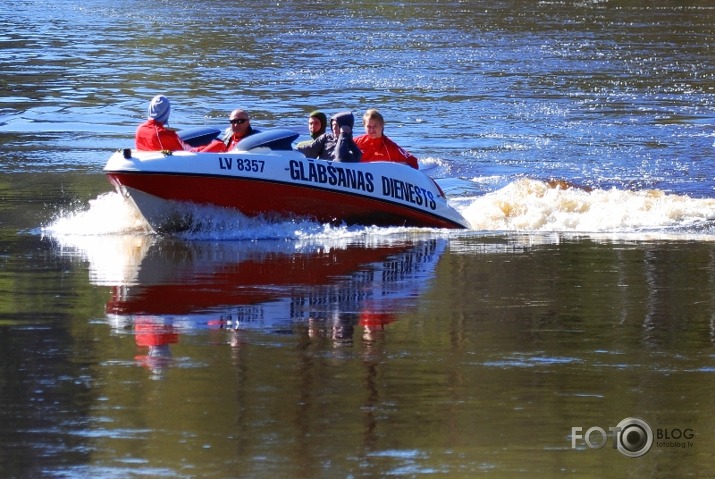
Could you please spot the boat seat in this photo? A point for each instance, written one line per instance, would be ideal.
(199, 136)
(275, 138)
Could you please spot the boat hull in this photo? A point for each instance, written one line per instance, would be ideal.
(278, 185)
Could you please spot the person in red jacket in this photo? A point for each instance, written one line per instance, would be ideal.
(376, 146)
(240, 129)
(153, 134)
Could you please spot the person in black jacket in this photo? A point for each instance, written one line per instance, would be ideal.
(338, 145)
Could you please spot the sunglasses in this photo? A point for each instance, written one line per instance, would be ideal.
(238, 121)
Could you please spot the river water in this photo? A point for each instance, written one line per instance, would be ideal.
(578, 138)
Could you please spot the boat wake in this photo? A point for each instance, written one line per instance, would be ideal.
(556, 206)
(523, 206)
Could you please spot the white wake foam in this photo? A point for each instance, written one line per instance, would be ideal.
(524, 205)
(532, 205)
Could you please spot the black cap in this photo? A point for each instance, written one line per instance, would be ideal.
(344, 118)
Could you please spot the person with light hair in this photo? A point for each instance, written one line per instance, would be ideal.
(375, 146)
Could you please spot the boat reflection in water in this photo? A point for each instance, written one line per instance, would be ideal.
(163, 288)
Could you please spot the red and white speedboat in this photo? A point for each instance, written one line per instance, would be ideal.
(265, 176)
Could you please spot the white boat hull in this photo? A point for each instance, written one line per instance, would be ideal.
(279, 184)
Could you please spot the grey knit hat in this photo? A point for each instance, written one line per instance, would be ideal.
(159, 109)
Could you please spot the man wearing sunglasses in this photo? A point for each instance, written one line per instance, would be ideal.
(240, 129)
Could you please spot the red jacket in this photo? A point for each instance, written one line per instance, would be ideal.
(218, 146)
(384, 149)
(154, 136)
(222, 146)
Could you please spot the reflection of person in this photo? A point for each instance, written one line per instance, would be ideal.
(374, 323)
(153, 134)
(155, 334)
(240, 129)
(337, 145)
(342, 329)
(317, 123)
(376, 146)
